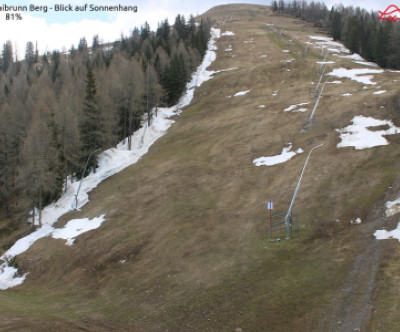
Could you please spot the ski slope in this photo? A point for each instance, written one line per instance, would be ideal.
(111, 162)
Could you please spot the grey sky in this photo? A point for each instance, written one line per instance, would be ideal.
(58, 30)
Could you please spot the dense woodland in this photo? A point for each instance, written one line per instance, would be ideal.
(361, 31)
(56, 109)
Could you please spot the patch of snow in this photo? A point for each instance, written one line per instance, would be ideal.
(358, 135)
(263, 56)
(347, 94)
(365, 63)
(261, 106)
(321, 38)
(224, 70)
(285, 51)
(227, 33)
(241, 93)
(293, 108)
(358, 75)
(354, 56)
(357, 221)
(288, 61)
(9, 277)
(335, 82)
(379, 92)
(110, 162)
(325, 62)
(76, 227)
(275, 93)
(383, 234)
(321, 42)
(285, 156)
(392, 207)
(290, 108)
(228, 50)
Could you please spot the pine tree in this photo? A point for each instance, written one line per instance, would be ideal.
(82, 46)
(180, 27)
(353, 35)
(30, 54)
(95, 43)
(91, 126)
(7, 56)
(175, 79)
(336, 28)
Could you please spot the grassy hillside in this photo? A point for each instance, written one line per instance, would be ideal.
(186, 245)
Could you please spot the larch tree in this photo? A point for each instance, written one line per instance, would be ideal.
(153, 91)
(68, 127)
(8, 155)
(37, 175)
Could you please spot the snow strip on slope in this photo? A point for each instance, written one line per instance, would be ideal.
(369, 64)
(228, 33)
(223, 70)
(328, 43)
(285, 156)
(359, 136)
(379, 92)
(358, 75)
(111, 162)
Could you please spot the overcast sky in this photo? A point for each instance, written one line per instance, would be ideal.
(60, 30)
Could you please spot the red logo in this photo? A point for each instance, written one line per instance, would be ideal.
(390, 14)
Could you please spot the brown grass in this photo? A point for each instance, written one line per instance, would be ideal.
(190, 217)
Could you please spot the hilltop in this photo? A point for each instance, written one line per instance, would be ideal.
(185, 244)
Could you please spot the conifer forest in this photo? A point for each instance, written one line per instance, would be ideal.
(58, 108)
(360, 31)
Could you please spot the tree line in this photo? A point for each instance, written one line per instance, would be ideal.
(360, 31)
(58, 108)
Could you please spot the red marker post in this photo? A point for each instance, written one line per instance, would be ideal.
(270, 207)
